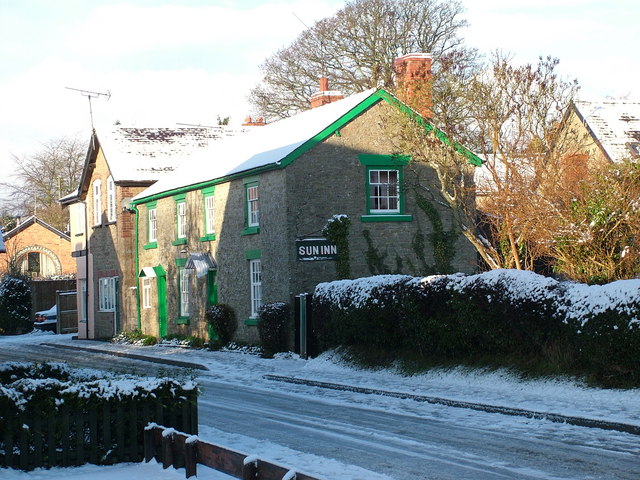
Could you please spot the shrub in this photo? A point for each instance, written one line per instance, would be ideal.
(135, 337)
(502, 315)
(15, 305)
(223, 319)
(272, 327)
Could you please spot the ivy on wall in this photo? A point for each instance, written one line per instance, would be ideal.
(443, 242)
(337, 231)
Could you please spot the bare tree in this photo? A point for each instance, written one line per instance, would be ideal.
(509, 115)
(356, 48)
(41, 179)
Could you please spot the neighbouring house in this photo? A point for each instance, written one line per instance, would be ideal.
(606, 131)
(36, 249)
(121, 162)
(245, 227)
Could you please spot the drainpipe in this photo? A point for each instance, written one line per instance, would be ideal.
(135, 208)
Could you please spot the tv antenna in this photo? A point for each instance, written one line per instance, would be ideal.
(89, 94)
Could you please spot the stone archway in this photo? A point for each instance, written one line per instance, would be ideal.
(51, 267)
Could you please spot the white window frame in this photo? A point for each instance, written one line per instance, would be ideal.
(380, 191)
(255, 278)
(146, 292)
(97, 202)
(181, 212)
(107, 293)
(80, 218)
(253, 210)
(185, 291)
(111, 200)
(209, 214)
(153, 224)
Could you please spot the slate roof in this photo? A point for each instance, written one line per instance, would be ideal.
(143, 154)
(615, 124)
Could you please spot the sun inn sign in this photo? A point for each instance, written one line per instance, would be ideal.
(315, 249)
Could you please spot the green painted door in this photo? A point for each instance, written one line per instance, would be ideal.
(162, 306)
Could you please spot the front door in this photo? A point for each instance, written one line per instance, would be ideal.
(162, 306)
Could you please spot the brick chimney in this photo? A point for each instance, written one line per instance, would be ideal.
(257, 122)
(324, 95)
(413, 82)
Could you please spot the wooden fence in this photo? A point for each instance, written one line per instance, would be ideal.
(181, 450)
(104, 433)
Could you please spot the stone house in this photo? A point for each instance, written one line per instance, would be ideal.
(245, 226)
(121, 162)
(37, 249)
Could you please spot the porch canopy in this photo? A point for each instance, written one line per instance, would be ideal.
(202, 263)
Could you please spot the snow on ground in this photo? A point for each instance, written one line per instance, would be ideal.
(494, 387)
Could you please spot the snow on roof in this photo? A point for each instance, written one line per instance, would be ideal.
(615, 124)
(258, 147)
(147, 153)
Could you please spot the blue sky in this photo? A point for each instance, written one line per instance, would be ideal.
(167, 61)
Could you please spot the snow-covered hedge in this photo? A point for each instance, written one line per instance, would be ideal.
(28, 387)
(494, 313)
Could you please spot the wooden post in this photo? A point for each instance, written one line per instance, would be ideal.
(149, 444)
(167, 449)
(191, 457)
(250, 468)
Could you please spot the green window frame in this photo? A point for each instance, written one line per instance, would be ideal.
(181, 219)
(385, 196)
(251, 206)
(209, 215)
(183, 316)
(152, 226)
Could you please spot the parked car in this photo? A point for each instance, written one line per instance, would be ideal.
(46, 320)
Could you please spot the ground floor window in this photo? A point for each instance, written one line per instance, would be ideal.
(184, 287)
(255, 270)
(146, 292)
(107, 293)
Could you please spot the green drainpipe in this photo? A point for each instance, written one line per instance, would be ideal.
(135, 208)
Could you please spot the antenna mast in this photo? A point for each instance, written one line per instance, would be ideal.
(89, 94)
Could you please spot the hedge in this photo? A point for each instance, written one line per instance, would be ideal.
(499, 313)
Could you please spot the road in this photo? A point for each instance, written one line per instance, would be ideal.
(393, 437)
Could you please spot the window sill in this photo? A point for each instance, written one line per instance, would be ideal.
(208, 238)
(252, 321)
(182, 321)
(151, 245)
(180, 241)
(250, 231)
(386, 218)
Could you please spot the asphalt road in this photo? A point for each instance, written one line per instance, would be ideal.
(400, 443)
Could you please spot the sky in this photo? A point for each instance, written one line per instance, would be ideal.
(189, 61)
